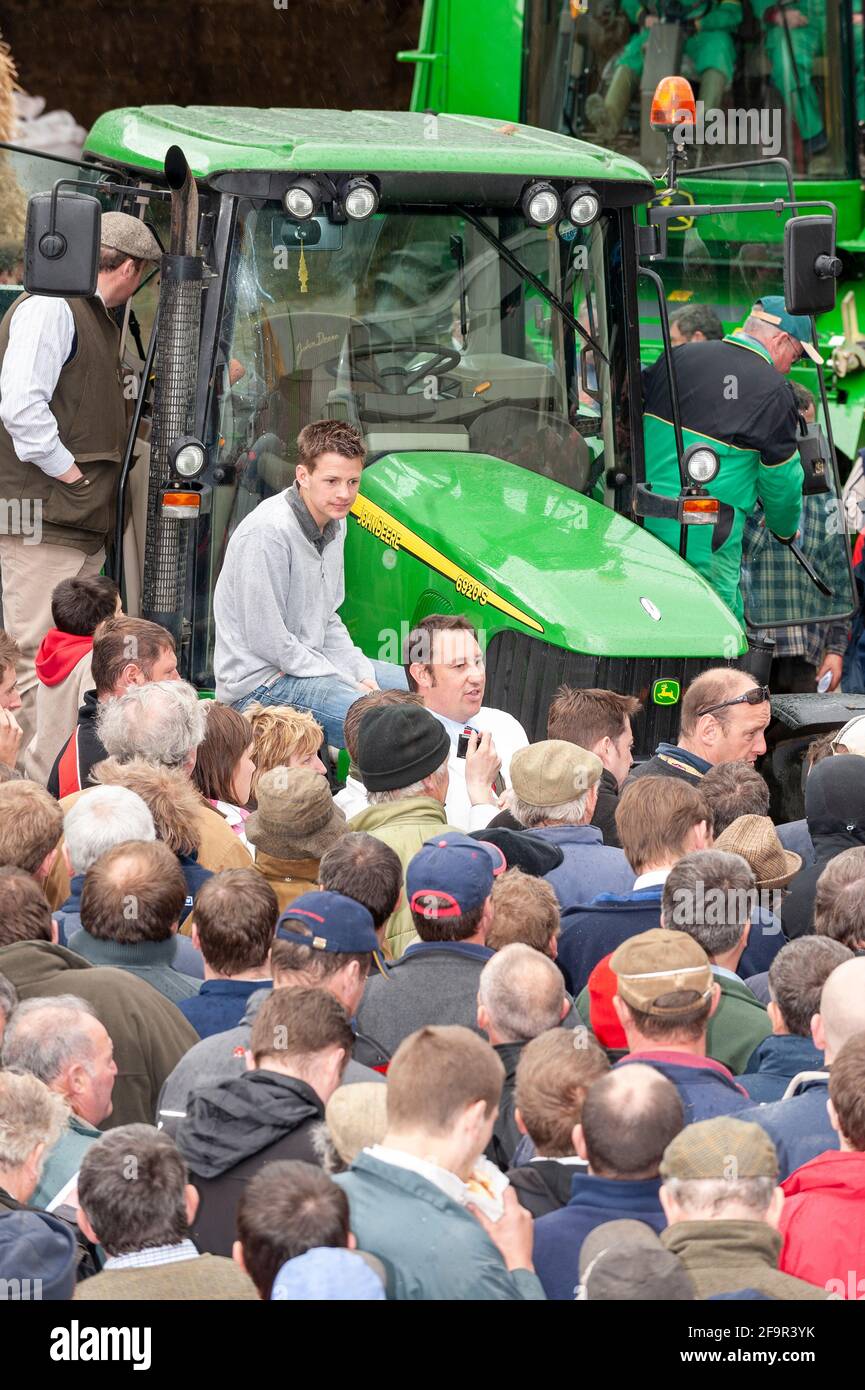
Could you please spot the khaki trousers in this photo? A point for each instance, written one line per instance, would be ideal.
(29, 575)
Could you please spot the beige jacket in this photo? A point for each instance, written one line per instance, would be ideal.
(56, 717)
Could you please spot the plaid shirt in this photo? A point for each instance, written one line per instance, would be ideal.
(774, 585)
(158, 1255)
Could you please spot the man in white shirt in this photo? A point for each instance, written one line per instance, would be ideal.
(445, 665)
(62, 437)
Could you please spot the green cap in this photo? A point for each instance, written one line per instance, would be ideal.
(772, 309)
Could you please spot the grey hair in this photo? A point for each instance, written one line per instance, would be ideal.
(402, 793)
(8, 999)
(522, 991)
(566, 813)
(30, 1114)
(45, 1036)
(709, 1197)
(710, 895)
(103, 818)
(758, 327)
(162, 722)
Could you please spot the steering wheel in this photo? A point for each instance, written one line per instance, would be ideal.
(442, 361)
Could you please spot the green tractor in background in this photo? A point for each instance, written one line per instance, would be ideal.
(794, 107)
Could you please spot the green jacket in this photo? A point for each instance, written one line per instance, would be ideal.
(150, 1034)
(725, 1256)
(431, 1247)
(405, 826)
(64, 1160)
(739, 1024)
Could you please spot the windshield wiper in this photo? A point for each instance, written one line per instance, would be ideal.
(516, 265)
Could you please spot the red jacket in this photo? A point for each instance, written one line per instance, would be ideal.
(823, 1223)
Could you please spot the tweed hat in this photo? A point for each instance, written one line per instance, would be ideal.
(658, 963)
(625, 1261)
(553, 772)
(756, 840)
(398, 745)
(120, 232)
(296, 817)
(721, 1148)
(356, 1118)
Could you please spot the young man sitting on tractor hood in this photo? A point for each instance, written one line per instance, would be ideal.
(279, 637)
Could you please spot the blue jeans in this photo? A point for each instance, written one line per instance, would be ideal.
(325, 697)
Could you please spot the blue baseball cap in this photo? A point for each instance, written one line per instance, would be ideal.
(773, 309)
(337, 924)
(327, 1275)
(456, 871)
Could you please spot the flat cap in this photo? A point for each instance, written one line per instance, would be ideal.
(553, 772)
(657, 963)
(625, 1261)
(721, 1148)
(120, 232)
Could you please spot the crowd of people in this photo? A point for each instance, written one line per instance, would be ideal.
(484, 1018)
(529, 1025)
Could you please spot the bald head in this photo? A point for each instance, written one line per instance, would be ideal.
(842, 1006)
(133, 893)
(732, 733)
(521, 995)
(629, 1117)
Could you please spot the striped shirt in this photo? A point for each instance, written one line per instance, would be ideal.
(41, 339)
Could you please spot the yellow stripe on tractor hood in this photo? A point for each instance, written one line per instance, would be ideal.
(394, 534)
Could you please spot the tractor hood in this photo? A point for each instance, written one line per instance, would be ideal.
(534, 555)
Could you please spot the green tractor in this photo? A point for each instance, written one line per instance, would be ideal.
(464, 290)
(789, 106)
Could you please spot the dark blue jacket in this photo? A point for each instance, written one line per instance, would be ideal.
(220, 1005)
(68, 918)
(772, 1066)
(589, 866)
(589, 933)
(798, 1127)
(795, 835)
(707, 1088)
(594, 1200)
(765, 940)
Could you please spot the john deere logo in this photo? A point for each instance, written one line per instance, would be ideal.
(666, 692)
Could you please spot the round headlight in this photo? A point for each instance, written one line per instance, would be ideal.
(299, 202)
(701, 463)
(541, 204)
(360, 200)
(584, 208)
(189, 460)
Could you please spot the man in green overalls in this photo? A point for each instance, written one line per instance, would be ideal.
(733, 397)
(708, 25)
(795, 32)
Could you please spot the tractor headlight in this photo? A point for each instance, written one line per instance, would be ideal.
(188, 457)
(701, 463)
(541, 204)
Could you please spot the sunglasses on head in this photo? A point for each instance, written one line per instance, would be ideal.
(757, 695)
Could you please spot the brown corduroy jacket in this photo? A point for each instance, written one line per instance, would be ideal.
(209, 1278)
(288, 878)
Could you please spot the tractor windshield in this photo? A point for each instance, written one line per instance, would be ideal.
(415, 329)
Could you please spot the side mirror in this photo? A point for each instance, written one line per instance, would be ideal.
(61, 253)
(811, 266)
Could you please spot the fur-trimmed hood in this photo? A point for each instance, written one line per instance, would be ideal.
(174, 803)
